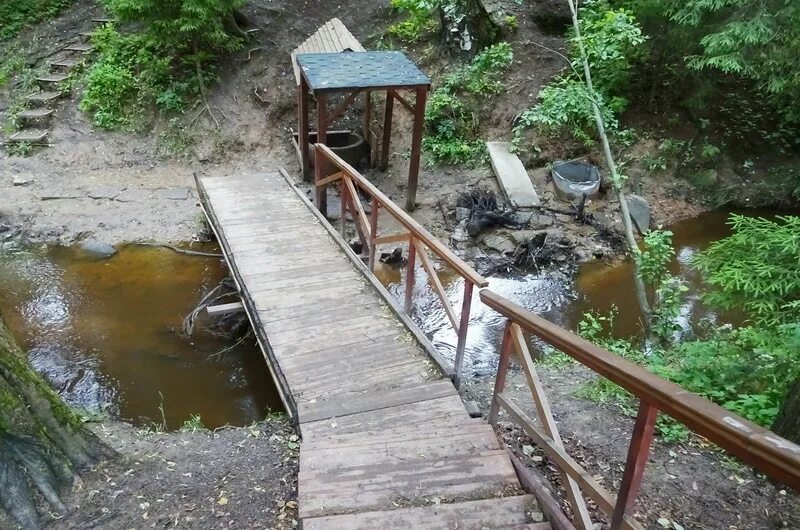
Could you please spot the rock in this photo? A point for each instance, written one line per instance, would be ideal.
(532, 220)
(499, 242)
(133, 195)
(522, 236)
(460, 234)
(640, 212)
(97, 248)
(462, 214)
(176, 194)
(473, 409)
(20, 181)
(511, 174)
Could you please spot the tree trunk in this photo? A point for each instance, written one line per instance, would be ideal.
(787, 422)
(466, 26)
(43, 444)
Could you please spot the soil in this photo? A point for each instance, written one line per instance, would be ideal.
(695, 484)
(227, 478)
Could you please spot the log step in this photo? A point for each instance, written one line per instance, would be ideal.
(53, 78)
(35, 114)
(82, 48)
(30, 135)
(104, 20)
(64, 63)
(43, 97)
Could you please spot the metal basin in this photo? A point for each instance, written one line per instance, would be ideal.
(572, 180)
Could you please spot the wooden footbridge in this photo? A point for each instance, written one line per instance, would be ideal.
(386, 439)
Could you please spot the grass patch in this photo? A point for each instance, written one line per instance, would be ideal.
(452, 113)
(16, 15)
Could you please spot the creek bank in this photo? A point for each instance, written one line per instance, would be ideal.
(227, 478)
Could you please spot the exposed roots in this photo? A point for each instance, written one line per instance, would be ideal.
(226, 290)
(485, 212)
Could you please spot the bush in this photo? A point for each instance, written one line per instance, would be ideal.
(419, 23)
(451, 116)
(18, 14)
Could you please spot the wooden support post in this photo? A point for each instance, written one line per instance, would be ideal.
(463, 325)
(367, 115)
(302, 105)
(416, 148)
(410, 273)
(638, 452)
(320, 163)
(343, 207)
(387, 130)
(502, 370)
(373, 228)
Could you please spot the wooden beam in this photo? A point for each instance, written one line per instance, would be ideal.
(403, 101)
(392, 238)
(437, 283)
(359, 208)
(533, 483)
(224, 309)
(581, 513)
(387, 129)
(321, 164)
(343, 106)
(416, 149)
(605, 500)
(330, 178)
(302, 116)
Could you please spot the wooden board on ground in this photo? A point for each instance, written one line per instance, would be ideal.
(384, 434)
(331, 37)
(35, 114)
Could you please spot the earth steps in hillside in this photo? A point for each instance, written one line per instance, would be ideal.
(35, 114)
(80, 48)
(43, 98)
(28, 136)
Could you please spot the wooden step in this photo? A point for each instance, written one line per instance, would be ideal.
(42, 98)
(101, 20)
(35, 114)
(64, 63)
(85, 34)
(82, 48)
(510, 512)
(28, 135)
(53, 78)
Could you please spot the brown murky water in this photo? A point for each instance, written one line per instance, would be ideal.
(105, 333)
(595, 287)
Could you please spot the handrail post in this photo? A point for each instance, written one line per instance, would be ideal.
(638, 452)
(410, 276)
(343, 206)
(373, 232)
(319, 191)
(463, 326)
(502, 370)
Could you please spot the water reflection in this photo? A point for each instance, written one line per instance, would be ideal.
(105, 334)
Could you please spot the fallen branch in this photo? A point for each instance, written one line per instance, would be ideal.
(180, 250)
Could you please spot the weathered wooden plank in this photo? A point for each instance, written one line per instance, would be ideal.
(378, 486)
(435, 401)
(372, 401)
(471, 515)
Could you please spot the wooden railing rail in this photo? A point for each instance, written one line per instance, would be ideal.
(419, 241)
(753, 444)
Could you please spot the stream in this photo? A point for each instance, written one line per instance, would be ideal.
(106, 334)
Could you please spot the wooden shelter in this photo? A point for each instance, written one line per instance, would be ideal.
(332, 72)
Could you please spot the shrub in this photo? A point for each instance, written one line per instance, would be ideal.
(18, 14)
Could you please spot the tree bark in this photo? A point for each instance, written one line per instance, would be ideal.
(616, 179)
(43, 444)
(787, 422)
(466, 26)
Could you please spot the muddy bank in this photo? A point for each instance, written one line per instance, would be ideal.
(228, 478)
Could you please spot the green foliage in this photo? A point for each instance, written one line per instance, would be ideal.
(15, 15)
(163, 66)
(748, 370)
(511, 23)
(613, 41)
(752, 39)
(756, 268)
(451, 117)
(419, 23)
(12, 61)
(193, 424)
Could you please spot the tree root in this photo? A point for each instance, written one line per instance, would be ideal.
(180, 250)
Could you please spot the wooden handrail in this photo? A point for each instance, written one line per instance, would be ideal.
(759, 447)
(417, 230)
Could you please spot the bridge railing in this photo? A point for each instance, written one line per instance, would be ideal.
(760, 448)
(419, 241)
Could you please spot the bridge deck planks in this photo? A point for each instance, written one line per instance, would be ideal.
(385, 438)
